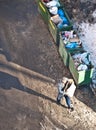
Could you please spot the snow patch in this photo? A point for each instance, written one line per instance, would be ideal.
(87, 34)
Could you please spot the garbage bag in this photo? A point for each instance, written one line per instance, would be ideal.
(82, 67)
(56, 19)
(71, 45)
(53, 10)
(61, 13)
(85, 58)
(70, 91)
(52, 4)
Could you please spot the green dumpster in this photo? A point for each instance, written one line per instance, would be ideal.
(81, 77)
(54, 30)
(43, 11)
(64, 51)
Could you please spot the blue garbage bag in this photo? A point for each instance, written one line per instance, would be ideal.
(71, 45)
(61, 12)
(64, 19)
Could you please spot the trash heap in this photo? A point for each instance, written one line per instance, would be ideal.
(56, 11)
(69, 44)
(72, 43)
(75, 57)
(71, 39)
(82, 61)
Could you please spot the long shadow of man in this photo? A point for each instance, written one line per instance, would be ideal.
(8, 81)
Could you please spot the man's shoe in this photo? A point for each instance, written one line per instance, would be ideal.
(58, 101)
(71, 108)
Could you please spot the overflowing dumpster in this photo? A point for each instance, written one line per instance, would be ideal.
(68, 43)
(55, 28)
(75, 57)
(66, 38)
(43, 11)
(63, 52)
(81, 74)
(56, 18)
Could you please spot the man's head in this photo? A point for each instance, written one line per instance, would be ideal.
(71, 81)
(64, 80)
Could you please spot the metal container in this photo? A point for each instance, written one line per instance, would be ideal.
(54, 30)
(43, 11)
(81, 77)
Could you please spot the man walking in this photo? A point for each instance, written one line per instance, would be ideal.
(66, 89)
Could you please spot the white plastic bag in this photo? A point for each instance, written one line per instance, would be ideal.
(53, 10)
(51, 4)
(85, 57)
(82, 67)
(70, 91)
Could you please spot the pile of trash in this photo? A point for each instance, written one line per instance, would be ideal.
(87, 35)
(71, 40)
(57, 13)
(73, 53)
(80, 57)
(82, 61)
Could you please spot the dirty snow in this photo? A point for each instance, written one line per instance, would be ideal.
(88, 38)
(87, 34)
